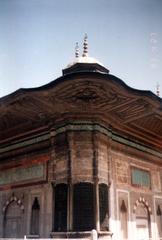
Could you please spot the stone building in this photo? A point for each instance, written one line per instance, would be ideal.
(80, 153)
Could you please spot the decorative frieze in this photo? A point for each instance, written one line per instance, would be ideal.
(82, 126)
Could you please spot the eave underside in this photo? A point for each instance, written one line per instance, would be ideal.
(136, 115)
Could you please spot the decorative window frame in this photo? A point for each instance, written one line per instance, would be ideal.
(141, 185)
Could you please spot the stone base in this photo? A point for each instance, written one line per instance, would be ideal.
(85, 235)
(105, 235)
(32, 236)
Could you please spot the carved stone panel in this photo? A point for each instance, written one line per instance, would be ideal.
(156, 184)
(122, 171)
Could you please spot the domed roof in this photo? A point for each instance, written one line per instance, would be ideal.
(84, 63)
(86, 59)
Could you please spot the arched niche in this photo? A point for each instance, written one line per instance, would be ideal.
(123, 220)
(142, 213)
(13, 218)
(35, 212)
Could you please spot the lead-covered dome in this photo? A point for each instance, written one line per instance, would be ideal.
(84, 63)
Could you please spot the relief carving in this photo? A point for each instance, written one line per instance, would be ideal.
(156, 181)
(94, 94)
(122, 171)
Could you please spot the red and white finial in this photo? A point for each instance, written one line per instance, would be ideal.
(85, 46)
(77, 50)
(158, 90)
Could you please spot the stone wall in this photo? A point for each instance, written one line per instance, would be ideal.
(26, 196)
(86, 155)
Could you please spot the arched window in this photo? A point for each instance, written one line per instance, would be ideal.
(83, 207)
(60, 218)
(103, 201)
(34, 229)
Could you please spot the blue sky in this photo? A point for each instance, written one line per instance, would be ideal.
(37, 40)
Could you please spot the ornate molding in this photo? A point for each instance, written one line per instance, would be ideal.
(82, 126)
(144, 202)
(13, 198)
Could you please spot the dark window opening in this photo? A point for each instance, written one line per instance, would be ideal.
(83, 207)
(35, 217)
(103, 201)
(60, 219)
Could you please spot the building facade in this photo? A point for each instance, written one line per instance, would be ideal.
(80, 153)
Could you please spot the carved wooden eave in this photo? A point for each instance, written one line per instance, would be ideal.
(96, 96)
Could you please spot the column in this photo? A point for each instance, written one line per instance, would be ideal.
(111, 207)
(96, 208)
(96, 180)
(53, 207)
(70, 208)
(69, 137)
(51, 173)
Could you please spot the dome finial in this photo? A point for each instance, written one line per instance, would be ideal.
(85, 46)
(77, 50)
(158, 90)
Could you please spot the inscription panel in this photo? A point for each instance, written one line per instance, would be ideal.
(19, 175)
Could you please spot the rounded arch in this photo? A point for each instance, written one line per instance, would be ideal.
(144, 202)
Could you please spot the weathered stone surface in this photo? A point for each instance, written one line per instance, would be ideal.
(90, 129)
